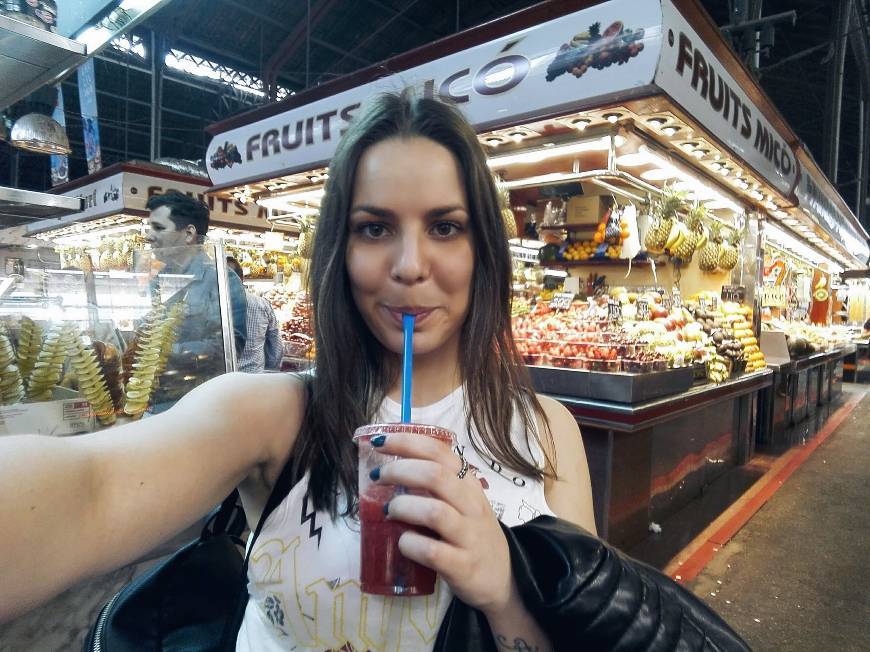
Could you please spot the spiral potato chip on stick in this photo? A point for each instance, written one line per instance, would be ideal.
(29, 343)
(155, 343)
(11, 386)
(48, 368)
(92, 383)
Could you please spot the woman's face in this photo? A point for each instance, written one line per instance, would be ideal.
(410, 248)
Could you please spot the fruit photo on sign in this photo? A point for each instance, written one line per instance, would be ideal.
(596, 49)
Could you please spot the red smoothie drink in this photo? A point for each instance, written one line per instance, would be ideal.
(383, 569)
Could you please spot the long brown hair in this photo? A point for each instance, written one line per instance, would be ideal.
(353, 371)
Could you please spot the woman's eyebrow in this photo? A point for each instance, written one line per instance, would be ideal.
(386, 213)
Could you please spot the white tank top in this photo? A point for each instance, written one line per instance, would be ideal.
(304, 572)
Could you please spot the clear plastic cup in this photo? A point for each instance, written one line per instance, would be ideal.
(383, 569)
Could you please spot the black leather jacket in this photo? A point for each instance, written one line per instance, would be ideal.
(587, 595)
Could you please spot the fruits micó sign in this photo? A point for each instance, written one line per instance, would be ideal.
(689, 72)
(500, 83)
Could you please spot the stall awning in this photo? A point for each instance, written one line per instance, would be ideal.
(124, 189)
(549, 60)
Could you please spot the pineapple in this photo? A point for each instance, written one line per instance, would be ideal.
(306, 239)
(510, 223)
(711, 252)
(730, 254)
(507, 215)
(664, 213)
(693, 224)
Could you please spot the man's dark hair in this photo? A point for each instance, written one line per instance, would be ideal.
(183, 210)
(233, 264)
(867, 325)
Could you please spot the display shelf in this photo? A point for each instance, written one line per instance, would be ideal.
(21, 206)
(567, 227)
(599, 262)
(31, 58)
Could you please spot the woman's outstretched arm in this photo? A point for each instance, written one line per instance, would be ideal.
(78, 506)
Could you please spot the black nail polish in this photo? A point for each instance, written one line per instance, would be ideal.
(375, 473)
(387, 508)
(379, 440)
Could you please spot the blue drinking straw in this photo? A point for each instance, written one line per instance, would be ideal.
(407, 365)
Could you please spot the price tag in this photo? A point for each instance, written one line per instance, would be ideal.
(677, 298)
(735, 293)
(774, 297)
(702, 304)
(714, 303)
(667, 303)
(643, 310)
(562, 301)
(614, 310)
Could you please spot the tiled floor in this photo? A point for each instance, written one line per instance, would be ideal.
(796, 577)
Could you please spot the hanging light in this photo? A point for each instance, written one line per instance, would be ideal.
(39, 133)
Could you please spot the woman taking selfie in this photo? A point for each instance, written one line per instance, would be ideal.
(410, 224)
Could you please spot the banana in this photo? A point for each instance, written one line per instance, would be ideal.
(674, 235)
(682, 234)
(702, 241)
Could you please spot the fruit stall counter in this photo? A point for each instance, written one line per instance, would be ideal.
(856, 366)
(648, 460)
(799, 388)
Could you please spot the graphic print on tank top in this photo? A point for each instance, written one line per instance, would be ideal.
(304, 570)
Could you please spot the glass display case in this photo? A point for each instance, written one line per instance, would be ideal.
(83, 349)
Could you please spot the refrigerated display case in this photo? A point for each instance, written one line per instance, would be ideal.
(84, 349)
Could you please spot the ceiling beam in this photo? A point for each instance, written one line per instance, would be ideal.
(374, 33)
(291, 44)
(242, 64)
(408, 21)
(205, 85)
(255, 14)
(338, 50)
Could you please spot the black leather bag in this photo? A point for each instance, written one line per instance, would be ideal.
(586, 595)
(196, 599)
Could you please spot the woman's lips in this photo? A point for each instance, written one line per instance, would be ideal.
(420, 314)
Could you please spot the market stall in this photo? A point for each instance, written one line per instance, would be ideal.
(111, 230)
(112, 225)
(640, 166)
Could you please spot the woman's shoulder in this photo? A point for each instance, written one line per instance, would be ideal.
(552, 408)
(561, 431)
(271, 405)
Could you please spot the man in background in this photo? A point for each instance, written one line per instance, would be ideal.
(263, 349)
(188, 275)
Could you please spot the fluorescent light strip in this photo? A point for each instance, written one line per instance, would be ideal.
(702, 191)
(543, 153)
(540, 180)
(288, 201)
(798, 248)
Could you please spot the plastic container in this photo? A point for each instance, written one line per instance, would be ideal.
(660, 365)
(602, 365)
(535, 359)
(602, 351)
(383, 568)
(607, 336)
(566, 362)
(638, 366)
